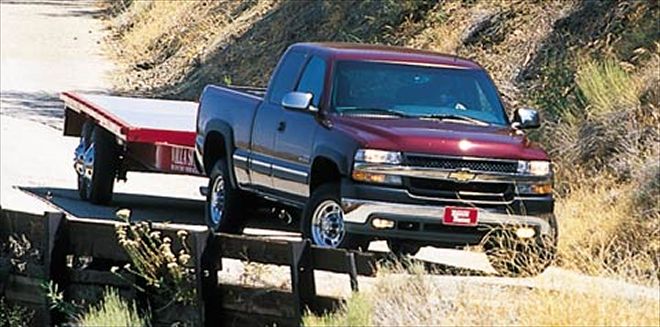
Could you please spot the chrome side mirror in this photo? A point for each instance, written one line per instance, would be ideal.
(298, 100)
(525, 118)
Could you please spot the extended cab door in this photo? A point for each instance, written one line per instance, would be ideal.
(267, 120)
(296, 133)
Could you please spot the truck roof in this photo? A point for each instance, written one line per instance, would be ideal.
(356, 51)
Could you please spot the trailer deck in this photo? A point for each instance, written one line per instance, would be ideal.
(158, 135)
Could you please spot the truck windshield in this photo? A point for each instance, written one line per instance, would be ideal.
(401, 90)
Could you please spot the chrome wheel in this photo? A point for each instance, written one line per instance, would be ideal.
(328, 224)
(88, 168)
(217, 203)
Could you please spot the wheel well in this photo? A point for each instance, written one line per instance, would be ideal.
(324, 171)
(214, 149)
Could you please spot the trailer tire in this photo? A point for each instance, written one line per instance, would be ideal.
(85, 141)
(323, 221)
(104, 158)
(224, 203)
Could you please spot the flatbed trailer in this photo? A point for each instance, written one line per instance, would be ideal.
(122, 134)
(153, 135)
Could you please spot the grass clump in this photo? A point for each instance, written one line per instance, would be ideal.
(607, 87)
(12, 315)
(113, 311)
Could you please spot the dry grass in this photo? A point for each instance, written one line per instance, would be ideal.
(399, 299)
(113, 311)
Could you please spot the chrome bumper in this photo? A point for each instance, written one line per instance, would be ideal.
(359, 211)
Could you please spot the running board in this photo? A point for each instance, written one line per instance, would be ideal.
(204, 190)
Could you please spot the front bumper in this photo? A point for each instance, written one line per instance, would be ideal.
(421, 219)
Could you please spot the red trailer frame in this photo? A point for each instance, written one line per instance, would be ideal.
(156, 135)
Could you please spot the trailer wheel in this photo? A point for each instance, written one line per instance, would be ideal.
(323, 221)
(224, 203)
(79, 158)
(100, 163)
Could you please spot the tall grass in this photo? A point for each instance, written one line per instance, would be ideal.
(113, 311)
(607, 87)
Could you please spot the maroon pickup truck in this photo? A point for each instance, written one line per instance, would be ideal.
(352, 142)
(369, 142)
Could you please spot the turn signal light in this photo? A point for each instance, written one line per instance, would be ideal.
(542, 188)
(367, 177)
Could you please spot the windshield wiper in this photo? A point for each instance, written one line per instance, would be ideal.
(373, 110)
(457, 117)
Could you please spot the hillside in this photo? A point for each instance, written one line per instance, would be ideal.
(591, 67)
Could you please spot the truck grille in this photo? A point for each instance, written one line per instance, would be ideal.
(486, 165)
(473, 191)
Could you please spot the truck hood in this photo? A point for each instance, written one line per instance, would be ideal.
(439, 137)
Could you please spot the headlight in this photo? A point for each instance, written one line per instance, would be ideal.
(378, 156)
(534, 168)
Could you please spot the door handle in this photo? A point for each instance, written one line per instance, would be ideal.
(281, 126)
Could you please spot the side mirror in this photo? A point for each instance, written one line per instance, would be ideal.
(525, 118)
(298, 100)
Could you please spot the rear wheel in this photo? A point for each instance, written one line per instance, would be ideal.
(323, 221)
(224, 203)
(79, 158)
(100, 160)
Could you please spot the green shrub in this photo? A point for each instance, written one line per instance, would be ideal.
(607, 87)
(113, 311)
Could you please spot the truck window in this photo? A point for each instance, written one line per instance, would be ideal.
(416, 91)
(312, 79)
(285, 78)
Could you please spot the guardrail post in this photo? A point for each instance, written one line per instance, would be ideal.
(352, 270)
(303, 286)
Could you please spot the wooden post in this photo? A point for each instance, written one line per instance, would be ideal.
(199, 247)
(211, 262)
(55, 257)
(303, 286)
(352, 270)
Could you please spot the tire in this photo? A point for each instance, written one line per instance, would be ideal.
(512, 257)
(403, 248)
(85, 141)
(224, 203)
(104, 155)
(325, 203)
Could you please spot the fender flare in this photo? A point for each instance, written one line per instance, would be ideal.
(226, 131)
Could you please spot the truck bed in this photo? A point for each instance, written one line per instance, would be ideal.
(139, 119)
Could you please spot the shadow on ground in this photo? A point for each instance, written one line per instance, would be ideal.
(186, 211)
(42, 107)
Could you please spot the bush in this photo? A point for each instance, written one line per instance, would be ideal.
(113, 311)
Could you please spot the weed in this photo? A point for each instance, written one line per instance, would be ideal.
(113, 311)
(12, 315)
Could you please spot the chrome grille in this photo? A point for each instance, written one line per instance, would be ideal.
(484, 165)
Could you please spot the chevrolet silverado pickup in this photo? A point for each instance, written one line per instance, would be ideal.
(353, 142)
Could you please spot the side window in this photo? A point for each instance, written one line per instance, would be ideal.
(312, 79)
(285, 78)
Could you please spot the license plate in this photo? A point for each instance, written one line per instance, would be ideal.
(461, 216)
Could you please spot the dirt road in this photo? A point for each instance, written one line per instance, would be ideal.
(51, 46)
(48, 47)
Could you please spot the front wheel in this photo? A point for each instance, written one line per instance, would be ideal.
(323, 221)
(223, 202)
(403, 248)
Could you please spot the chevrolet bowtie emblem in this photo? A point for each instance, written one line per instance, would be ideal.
(461, 176)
